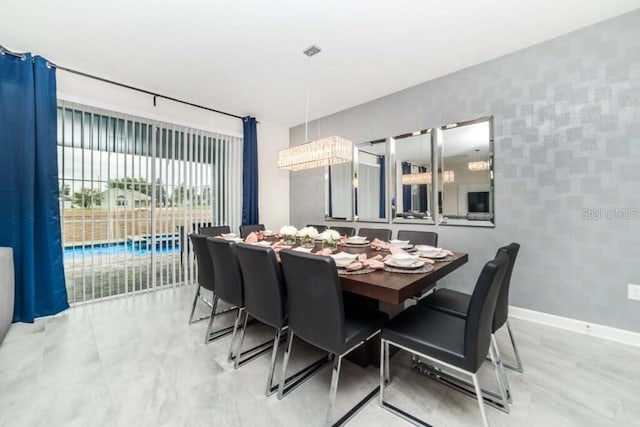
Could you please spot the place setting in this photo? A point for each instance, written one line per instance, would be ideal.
(403, 262)
(356, 263)
(356, 242)
(433, 253)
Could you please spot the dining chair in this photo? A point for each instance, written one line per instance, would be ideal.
(375, 233)
(344, 231)
(206, 280)
(229, 286)
(318, 227)
(215, 230)
(419, 237)
(317, 315)
(265, 300)
(455, 343)
(245, 230)
(458, 303)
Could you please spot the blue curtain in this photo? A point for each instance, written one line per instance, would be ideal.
(30, 214)
(383, 184)
(250, 214)
(406, 189)
(422, 193)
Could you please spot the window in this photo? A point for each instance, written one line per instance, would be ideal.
(131, 190)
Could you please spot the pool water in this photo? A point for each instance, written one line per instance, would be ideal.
(120, 248)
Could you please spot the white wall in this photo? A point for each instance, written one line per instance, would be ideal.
(273, 183)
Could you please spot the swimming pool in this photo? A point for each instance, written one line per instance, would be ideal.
(135, 248)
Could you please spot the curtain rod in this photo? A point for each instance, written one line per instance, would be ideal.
(155, 95)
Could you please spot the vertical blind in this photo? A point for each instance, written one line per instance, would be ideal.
(131, 190)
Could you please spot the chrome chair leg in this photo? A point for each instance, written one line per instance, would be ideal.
(236, 324)
(285, 362)
(499, 377)
(274, 355)
(518, 367)
(500, 365)
(238, 352)
(195, 302)
(337, 362)
(476, 385)
(214, 335)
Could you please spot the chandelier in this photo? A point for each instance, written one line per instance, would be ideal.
(482, 165)
(421, 178)
(323, 152)
(327, 151)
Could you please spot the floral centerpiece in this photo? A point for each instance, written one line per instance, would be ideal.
(330, 239)
(307, 234)
(288, 233)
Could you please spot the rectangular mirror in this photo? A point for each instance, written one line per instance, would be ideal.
(339, 192)
(411, 178)
(370, 181)
(465, 173)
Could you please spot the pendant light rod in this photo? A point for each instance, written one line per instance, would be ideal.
(310, 51)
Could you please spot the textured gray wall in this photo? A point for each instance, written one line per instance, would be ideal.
(567, 138)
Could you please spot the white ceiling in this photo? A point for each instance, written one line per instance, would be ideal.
(246, 57)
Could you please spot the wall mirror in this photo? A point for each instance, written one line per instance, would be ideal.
(412, 199)
(465, 173)
(370, 181)
(338, 192)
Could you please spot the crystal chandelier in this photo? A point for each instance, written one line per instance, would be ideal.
(327, 151)
(421, 178)
(323, 152)
(481, 165)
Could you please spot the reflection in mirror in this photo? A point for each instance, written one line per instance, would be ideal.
(412, 183)
(370, 181)
(465, 177)
(338, 191)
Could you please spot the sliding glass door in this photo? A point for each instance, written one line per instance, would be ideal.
(131, 190)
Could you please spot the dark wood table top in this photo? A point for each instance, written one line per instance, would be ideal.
(394, 288)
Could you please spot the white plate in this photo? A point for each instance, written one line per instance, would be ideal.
(365, 243)
(342, 259)
(229, 236)
(392, 263)
(263, 243)
(400, 243)
(268, 233)
(432, 255)
(301, 249)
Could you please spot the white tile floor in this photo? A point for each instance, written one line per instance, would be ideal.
(136, 361)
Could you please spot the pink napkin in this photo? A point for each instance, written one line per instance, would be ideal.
(395, 250)
(448, 252)
(361, 257)
(324, 251)
(251, 238)
(374, 263)
(379, 244)
(354, 266)
(427, 260)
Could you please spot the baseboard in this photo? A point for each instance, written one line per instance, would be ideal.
(600, 331)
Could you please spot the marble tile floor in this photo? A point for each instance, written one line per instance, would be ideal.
(136, 361)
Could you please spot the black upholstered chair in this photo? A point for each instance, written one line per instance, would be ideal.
(229, 286)
(206, 280)
(375, 233)
(419, 237)
(453, 342)
(215, 230)
(317, 315)
(318, 227)
(344, 231)
(264, 295)
(245, 230)
(457, 304)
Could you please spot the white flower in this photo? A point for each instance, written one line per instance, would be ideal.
(308, 232)
(288, 230)
(330, 235)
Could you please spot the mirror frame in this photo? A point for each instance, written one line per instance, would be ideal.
(438, 147)
(394, 179)
(355, 182)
